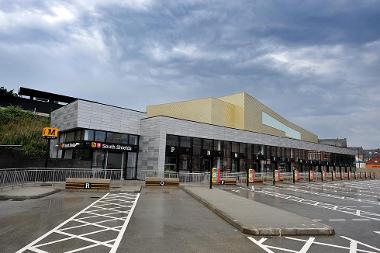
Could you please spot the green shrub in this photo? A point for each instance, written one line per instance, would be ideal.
(23, 128)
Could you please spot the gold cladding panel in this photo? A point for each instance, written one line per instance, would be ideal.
(197, 110)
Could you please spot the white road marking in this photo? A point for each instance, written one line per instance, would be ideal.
(360, 219)
(307, 245)
(116, 206)
(355, 212)
(337, 219)
(353, 245)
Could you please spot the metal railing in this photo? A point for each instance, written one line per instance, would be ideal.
(15, 177)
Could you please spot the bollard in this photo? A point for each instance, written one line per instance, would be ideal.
(332, 175)
(309, 176)
(294, 176)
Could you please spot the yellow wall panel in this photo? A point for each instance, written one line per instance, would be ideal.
(239, 110)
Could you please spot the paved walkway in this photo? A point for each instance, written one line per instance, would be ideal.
(28, 192)
(255, 218)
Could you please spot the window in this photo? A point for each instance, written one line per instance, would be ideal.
(124, 138)
(78, 135)
(197, 146)
(235, 147)
(272, 122)
(113, 137)
(171, 140)
(100, 136)
(185, 142)
(70, 136)
(207, 144)
(133, 139)
(88, 135)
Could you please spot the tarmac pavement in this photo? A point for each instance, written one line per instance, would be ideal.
(170, 220)
(356, 223)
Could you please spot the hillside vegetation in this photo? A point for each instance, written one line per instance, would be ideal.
(23, 128)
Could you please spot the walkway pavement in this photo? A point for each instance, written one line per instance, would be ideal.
(255, 218)
(28, 192)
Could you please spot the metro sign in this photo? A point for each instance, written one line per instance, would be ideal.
(50, 132)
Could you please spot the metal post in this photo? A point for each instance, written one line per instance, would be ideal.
(341, 175)
(247, 177)
(320, 167)
(274, 174)
(210, 175)
(294, 176)
(309, 175)
(47, 153)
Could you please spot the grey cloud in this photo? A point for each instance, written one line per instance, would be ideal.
(314, 62)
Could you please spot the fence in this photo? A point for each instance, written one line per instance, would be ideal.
(14, 177)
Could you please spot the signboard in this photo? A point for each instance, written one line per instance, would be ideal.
(251, 175)
(108, 146)
(69, 145)
(50, 132)
(215, 175)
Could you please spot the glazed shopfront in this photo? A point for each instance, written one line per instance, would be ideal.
(190, 154)
(102, 150)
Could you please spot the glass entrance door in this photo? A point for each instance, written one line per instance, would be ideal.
(130, 168)
(235, 165)
(206, 164)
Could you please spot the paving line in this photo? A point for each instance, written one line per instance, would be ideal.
(59, 226)
(361, 213)
(120, 236)
(92, 213)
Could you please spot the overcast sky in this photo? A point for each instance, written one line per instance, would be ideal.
(317, 63)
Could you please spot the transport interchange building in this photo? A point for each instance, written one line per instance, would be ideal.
(233, 133)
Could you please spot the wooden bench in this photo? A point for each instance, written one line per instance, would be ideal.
(158, 181)
(87, 184)
(228, 181)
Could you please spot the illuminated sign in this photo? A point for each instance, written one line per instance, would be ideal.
(108, 146)
(50, 132)
(69, 145)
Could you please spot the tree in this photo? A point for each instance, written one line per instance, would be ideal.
(7, 93)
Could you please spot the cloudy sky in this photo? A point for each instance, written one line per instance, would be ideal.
(315, 62)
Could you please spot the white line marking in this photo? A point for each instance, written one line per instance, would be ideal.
(59, 226)
(120, 236)
(114, 214)
(260, 244)
(337, 219)
(307, 245)
(360, 219)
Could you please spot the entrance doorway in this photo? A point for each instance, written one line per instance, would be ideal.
(121, 162)
(235, 165)
(206, 164)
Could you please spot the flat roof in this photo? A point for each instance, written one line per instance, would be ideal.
(47, 95)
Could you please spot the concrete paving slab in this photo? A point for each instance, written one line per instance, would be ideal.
(255, 218)
(27, 192)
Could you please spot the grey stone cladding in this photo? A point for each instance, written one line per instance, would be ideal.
(65, 117)
(86, 114)
(154, 132)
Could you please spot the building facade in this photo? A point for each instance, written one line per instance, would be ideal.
(233, 133)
